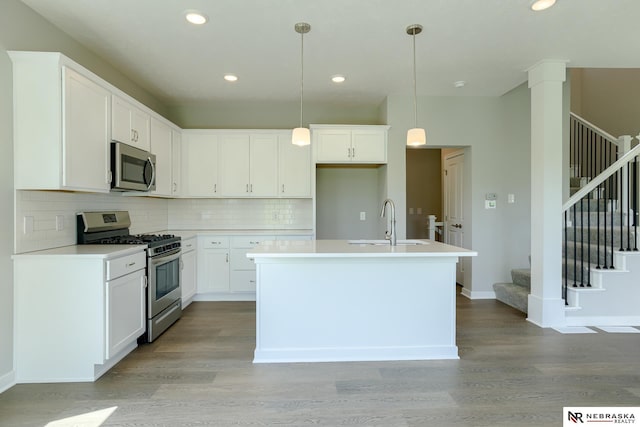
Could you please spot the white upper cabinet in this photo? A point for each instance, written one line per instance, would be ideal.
(176, 163)
(294, 168)
(350, 144)
(161, 146)
(248, 166)
(61, 125)
(200, 164)
(129, 124)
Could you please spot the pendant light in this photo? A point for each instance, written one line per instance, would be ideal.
(301, 135)
(415, 136)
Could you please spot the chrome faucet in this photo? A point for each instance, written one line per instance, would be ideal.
(390, 236)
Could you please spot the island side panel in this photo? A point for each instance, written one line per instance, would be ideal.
(334, 309)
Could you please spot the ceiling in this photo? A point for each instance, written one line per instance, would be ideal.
(489, 44)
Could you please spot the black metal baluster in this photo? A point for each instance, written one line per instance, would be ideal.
(582, 243)
(620, 205)
(636, 217)
(613, 180)
(629, 205)
(575, 246)
(605, 188)
(566, 267)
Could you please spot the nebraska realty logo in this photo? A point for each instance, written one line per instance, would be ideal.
(603, 416)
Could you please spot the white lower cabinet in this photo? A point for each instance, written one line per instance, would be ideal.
(243, 269)
(213, 265)
(124, 297)
(188, 270)
(76, 314)
(224, 271)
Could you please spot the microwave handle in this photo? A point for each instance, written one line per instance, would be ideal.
(153, 173)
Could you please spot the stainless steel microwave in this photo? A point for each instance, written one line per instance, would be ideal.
(132, 169)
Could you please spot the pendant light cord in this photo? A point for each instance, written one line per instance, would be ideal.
(415, 94)
(301, 74)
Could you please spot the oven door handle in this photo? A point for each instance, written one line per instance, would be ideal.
(163, 259)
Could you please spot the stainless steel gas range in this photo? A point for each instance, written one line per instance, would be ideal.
(164, 305)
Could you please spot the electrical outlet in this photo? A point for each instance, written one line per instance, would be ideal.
(59, 222)
(419, 211)
(28, 225)
(363, 216)
(410, 211)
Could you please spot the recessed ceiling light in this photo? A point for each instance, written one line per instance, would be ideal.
(338, 79)
(231, 77)
(459, 83)
(540, 5)
(195, 17)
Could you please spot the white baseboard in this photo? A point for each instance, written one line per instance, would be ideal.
(7, 381)
(249, 296)
(603, 320)
(478, 294)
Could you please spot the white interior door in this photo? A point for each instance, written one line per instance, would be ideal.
(454, 206)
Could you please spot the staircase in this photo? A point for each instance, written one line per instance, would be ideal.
(601, 262)
(516, 293)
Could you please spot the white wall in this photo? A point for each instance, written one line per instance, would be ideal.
(608, 98)
(341, 194)
(268, 115)
(496, 132)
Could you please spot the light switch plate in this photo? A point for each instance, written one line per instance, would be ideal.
(490, 204)
(363, 216)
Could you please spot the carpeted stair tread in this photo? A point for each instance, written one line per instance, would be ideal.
(513, 295)
(521, 277)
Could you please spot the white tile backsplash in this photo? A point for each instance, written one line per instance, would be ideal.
(231, 214)
(149, 214)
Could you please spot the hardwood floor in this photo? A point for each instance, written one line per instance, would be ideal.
(199, 373)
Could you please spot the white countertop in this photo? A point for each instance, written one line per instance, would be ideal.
(185, 234)
(357, 249)
(87, 251)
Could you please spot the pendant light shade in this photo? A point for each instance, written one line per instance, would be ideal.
(301, 135)
(416, 136)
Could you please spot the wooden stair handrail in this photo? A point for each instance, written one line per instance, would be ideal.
(596, 129)
(595, 182)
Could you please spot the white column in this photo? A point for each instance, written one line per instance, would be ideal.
(546, 306)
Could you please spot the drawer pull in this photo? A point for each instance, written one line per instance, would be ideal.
(131, 264)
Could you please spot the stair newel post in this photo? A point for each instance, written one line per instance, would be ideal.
(432, 227)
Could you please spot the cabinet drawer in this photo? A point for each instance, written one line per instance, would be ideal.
(128, 264)
(214, 242)
(249, 241)
(243, 281)
(189, 245)
(239, 260)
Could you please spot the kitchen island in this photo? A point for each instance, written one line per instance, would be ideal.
(338, 300)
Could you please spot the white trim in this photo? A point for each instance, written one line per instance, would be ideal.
(7, 381)
(478, 294)
(603, 320)
(355, 354)
(247, 296)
